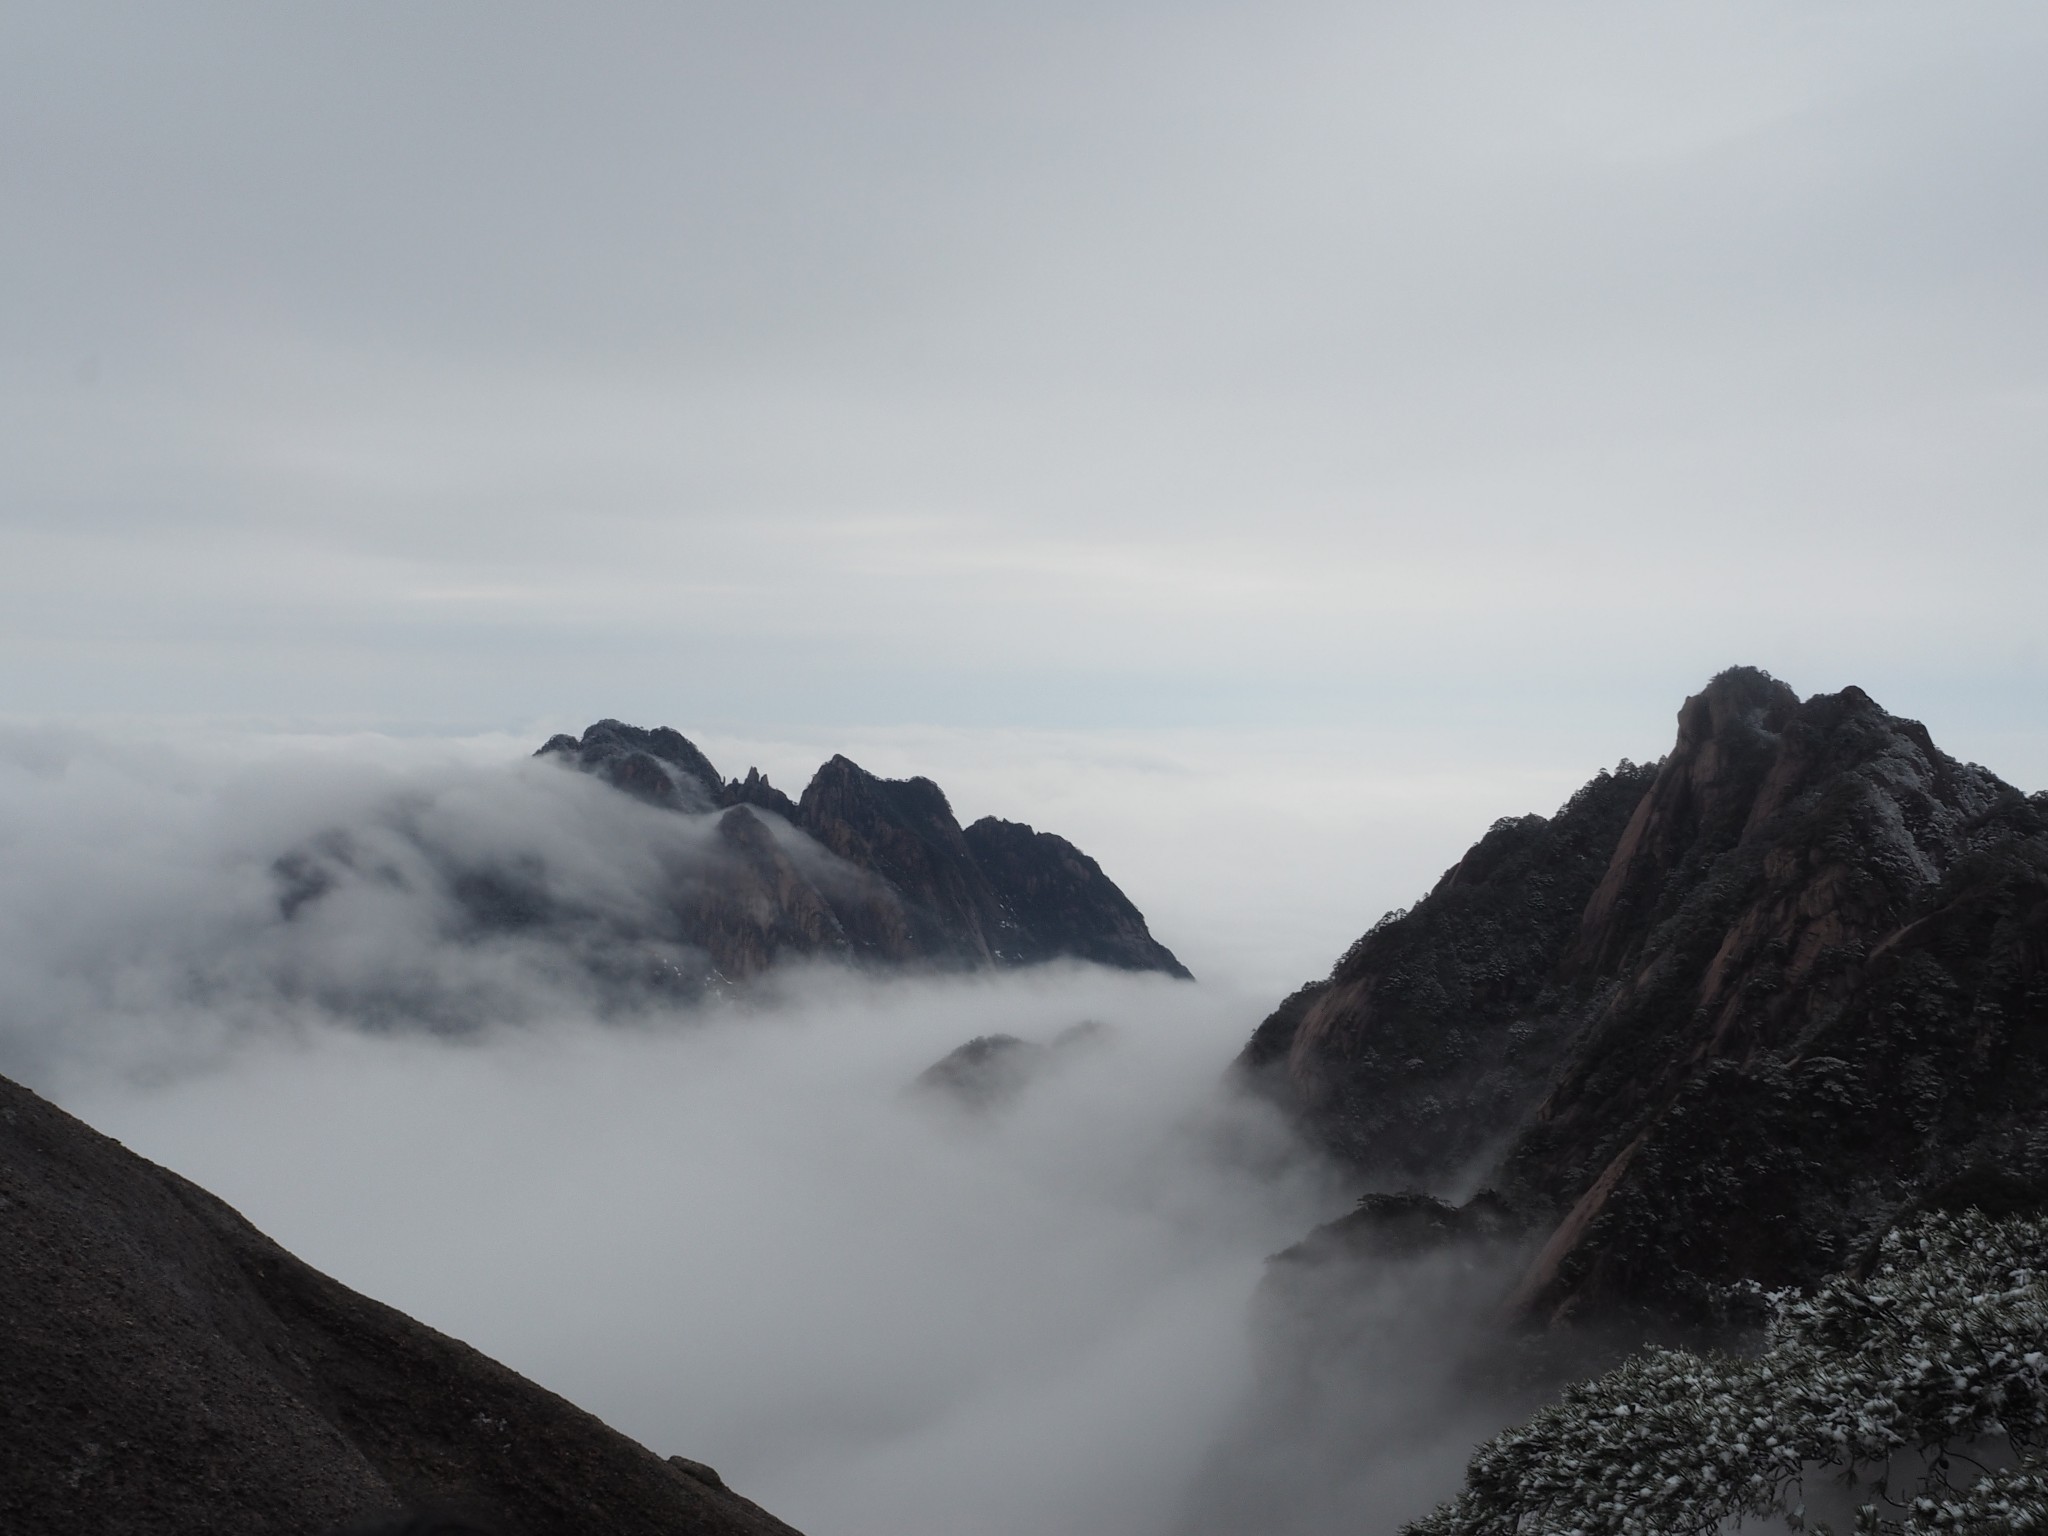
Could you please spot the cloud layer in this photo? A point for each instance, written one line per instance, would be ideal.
(742, 1239)
(734, 1230)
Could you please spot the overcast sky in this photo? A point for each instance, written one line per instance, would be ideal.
(1094, 367)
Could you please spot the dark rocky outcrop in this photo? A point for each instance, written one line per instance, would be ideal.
(165, 1368)
(1722, 1020)
(750, 905)
(903, 831)
(1406, 1224)
(1437, 1029)
(660, 766)
(755, 789)
(860, 868)
(1056, 901)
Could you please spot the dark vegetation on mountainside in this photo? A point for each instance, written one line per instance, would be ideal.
(1768, 1017)
(165, 1368)
(858, 869)
(1727, 1018)
(1912, 1401)
(1465, 1013)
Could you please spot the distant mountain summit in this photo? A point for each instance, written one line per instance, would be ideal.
(866, 868)
(660, 765)
(1725, 1017)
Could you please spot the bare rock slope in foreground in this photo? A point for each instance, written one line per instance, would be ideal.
(1725, 1018)
(164, 1367)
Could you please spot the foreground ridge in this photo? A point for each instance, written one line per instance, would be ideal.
(164, 1367)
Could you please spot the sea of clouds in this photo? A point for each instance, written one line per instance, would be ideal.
(732, 1229)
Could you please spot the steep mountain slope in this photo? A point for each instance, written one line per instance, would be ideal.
(166, 1368)
(1437, 1029)
(1725, 1020)
(1056, 901)
(903, 832)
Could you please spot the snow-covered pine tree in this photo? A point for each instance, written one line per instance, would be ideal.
(1926, 1385)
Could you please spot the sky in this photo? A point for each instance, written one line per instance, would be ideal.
(1108, 368)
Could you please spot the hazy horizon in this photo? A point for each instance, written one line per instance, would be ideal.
(1256, 854)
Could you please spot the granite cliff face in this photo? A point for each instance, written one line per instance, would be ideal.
(901, 833)
(868, 869)
(1722, 1019)
(165, 1368)
(1056, 901)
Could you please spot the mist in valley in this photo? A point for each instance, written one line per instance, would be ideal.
(732, 1226)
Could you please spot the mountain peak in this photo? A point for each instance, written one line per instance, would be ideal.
(661, 766)
(878, 868)
(1726, 1013)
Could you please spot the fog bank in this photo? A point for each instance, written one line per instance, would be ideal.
(731, 1229)
(739, 1238)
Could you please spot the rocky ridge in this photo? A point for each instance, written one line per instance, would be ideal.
(1724, 1018)
(166, 1368)
(868, 869)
